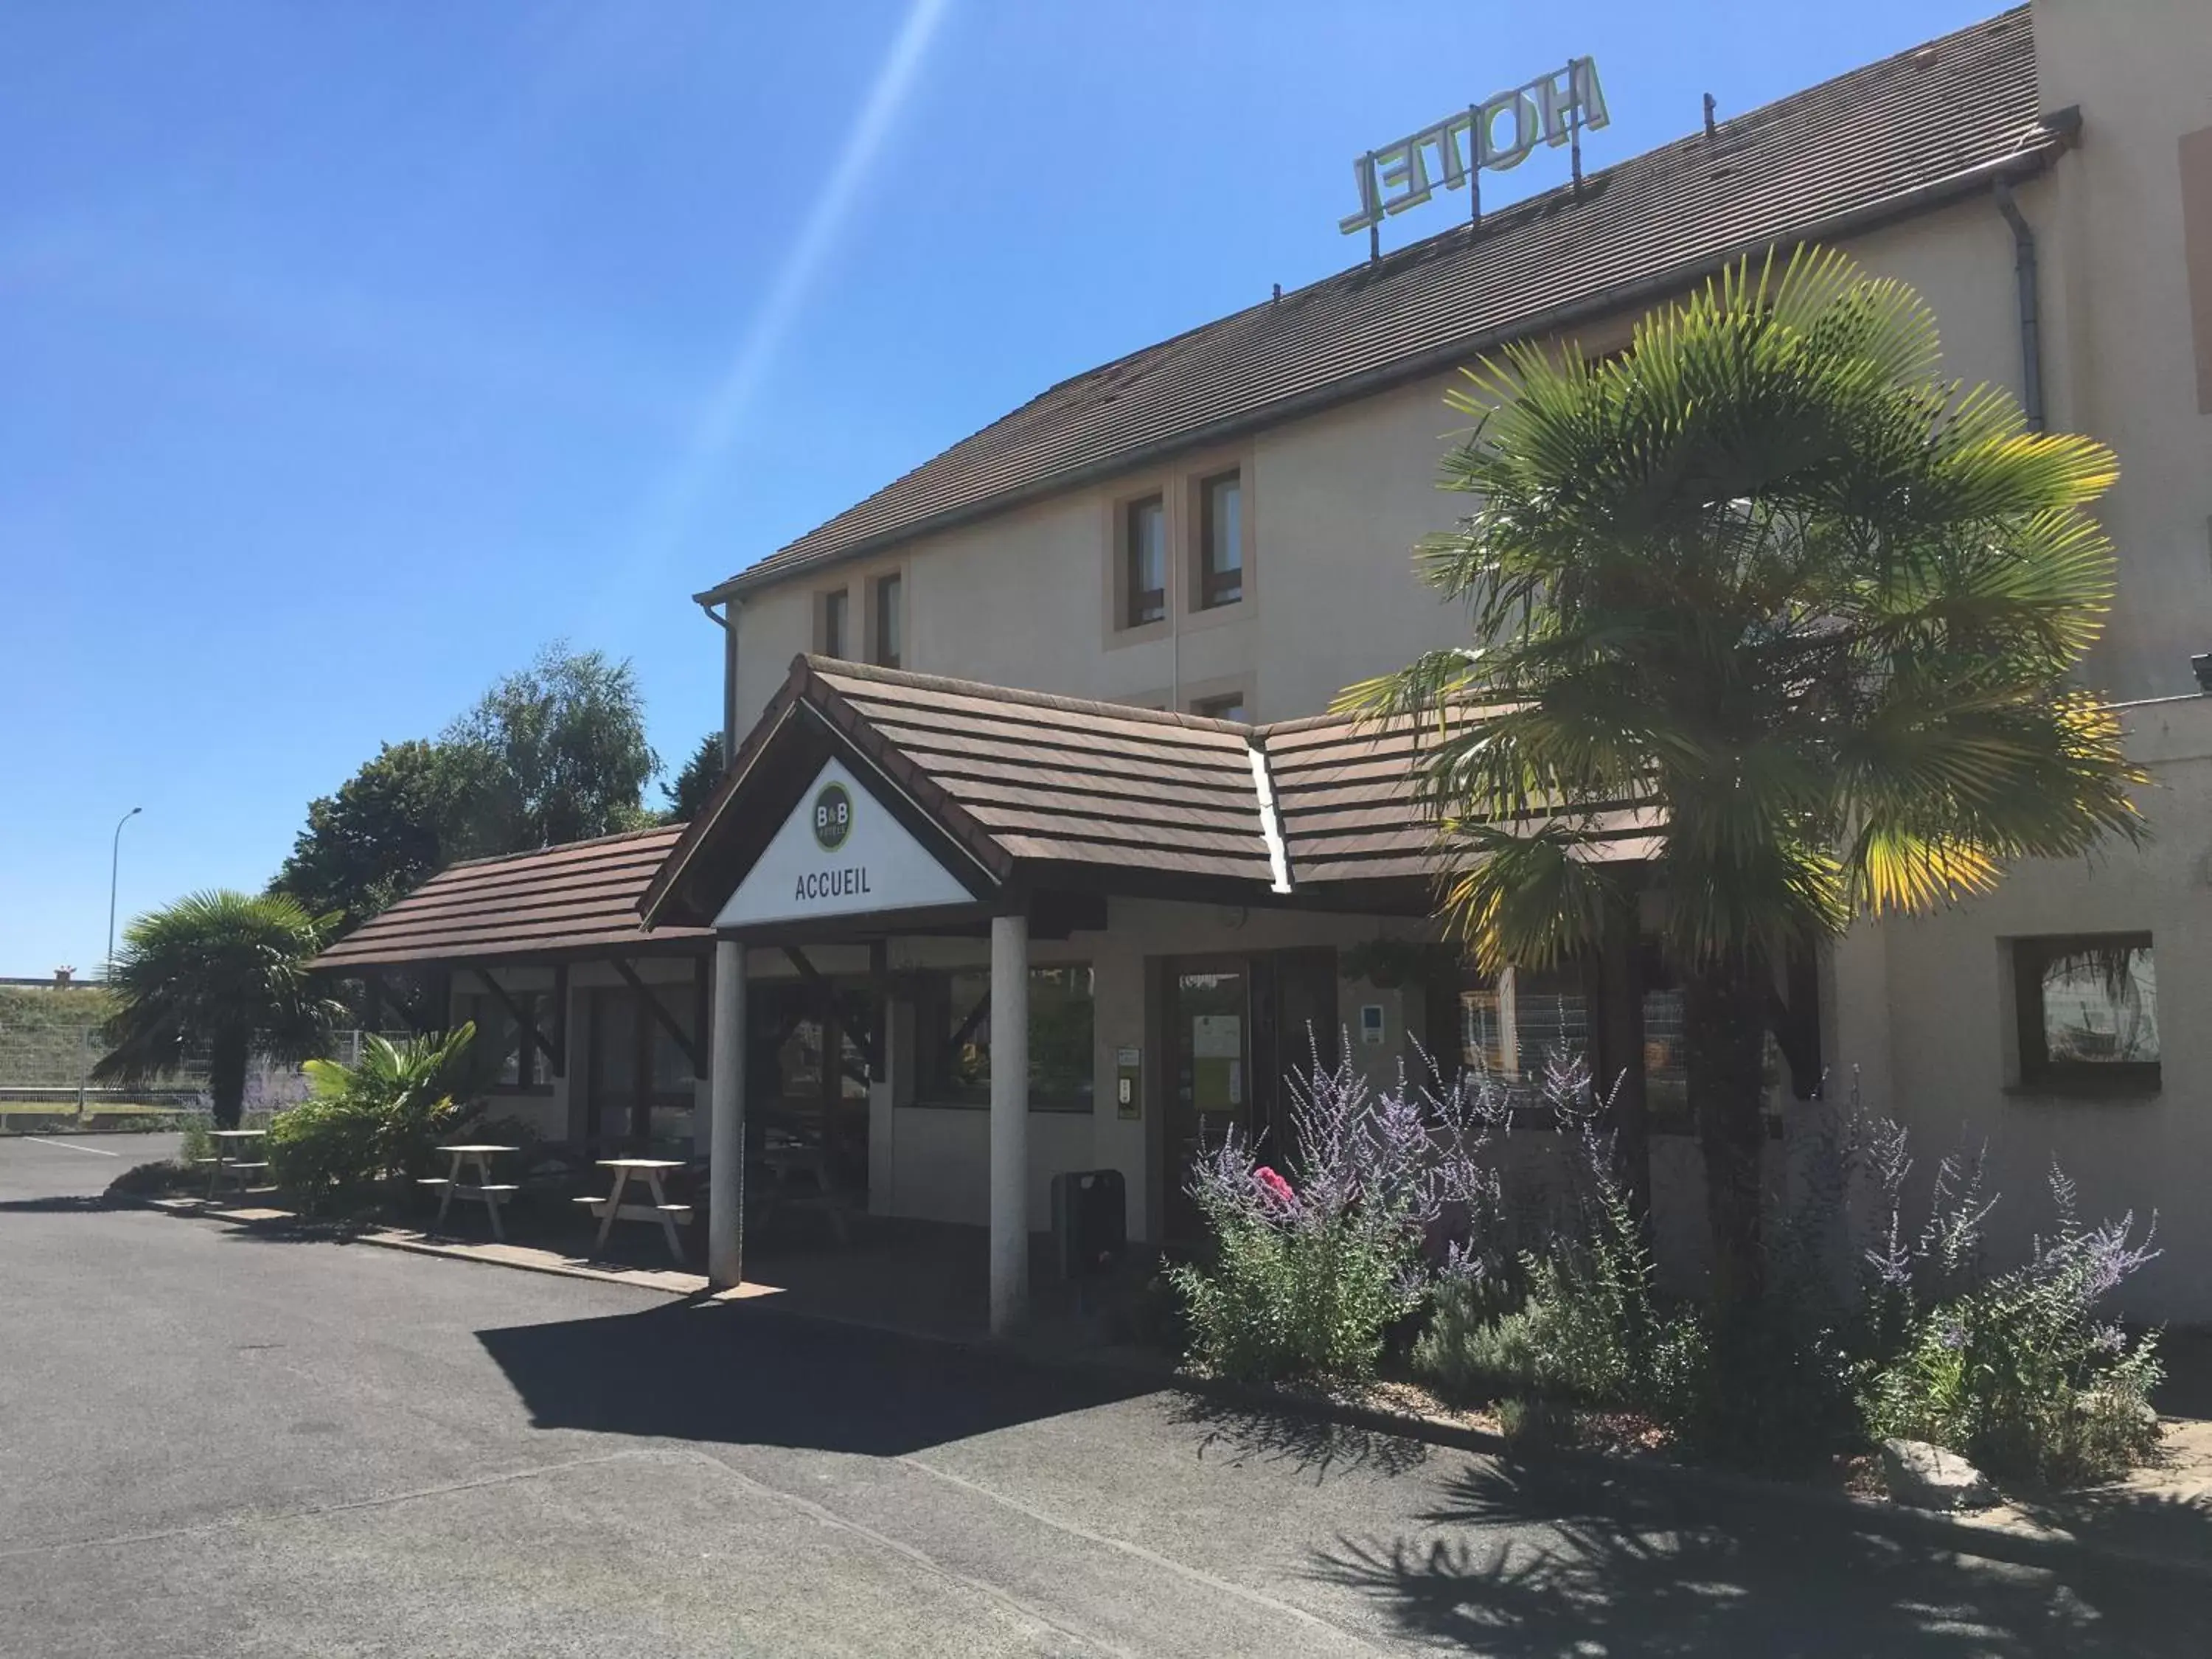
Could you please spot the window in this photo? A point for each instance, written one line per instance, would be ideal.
(1145, 561)
(1229, 706)
(835, 635)
(1221, 540)
(891, 632)
(521, 1064)
(2087, 1009)
(1507, 1027)
(953, 1032)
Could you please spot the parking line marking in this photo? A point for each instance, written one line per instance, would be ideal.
(71, 1146)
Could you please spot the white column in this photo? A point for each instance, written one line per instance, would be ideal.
(726, 1186)
(1009, 1121)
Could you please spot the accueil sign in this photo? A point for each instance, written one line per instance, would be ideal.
(839, 852)
(1499, 133)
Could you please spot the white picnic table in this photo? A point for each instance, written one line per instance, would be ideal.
(229, 1144)
(612, 1209)
(483, 1190)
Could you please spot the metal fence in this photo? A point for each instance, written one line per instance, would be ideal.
(45, 1068)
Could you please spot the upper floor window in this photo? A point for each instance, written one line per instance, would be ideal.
(1220, 540)
(890, 623)
(2087, 1009)
(1229, 706)
(836, 619)
(1145, 561)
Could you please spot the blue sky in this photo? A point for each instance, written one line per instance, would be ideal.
(349, 352)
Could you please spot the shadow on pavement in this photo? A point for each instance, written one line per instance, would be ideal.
(729, 1374)
(2169, 1523)
(1243, 1433)
(1635, 1570)
(55, 1204)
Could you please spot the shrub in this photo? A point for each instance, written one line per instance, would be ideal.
(2019, 1375)
(155, 1180)
(1309, 1302)
(379, 1119)
(1312, 1270)
(325, 1153)
(1584, 1323)
(1766, 1386)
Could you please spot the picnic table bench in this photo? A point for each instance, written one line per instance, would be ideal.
(229, 1145)
(483, 1190)
(612, 1209)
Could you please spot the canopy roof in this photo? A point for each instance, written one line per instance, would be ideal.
(1012, 793)
(1020, 790)
(578, 900)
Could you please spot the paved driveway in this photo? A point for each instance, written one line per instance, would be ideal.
(213, 1444)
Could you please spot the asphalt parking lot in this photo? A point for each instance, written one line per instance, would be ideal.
(216, 1442)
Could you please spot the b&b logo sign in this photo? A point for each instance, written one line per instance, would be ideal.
(833, 816)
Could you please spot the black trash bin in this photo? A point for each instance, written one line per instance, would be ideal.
(1090, 1222)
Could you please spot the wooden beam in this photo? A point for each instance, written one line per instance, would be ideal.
(661, 1017)
(523, 1021)
(560, 1018)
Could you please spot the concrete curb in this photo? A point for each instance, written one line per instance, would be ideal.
(1929, 1527)
(563, 1269)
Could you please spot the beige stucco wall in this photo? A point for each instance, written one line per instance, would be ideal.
(1923, 1025)
(1338, 499)
(2120, 333)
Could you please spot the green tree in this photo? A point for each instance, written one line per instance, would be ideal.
(379, 837)
(220, 972)
(687, 796)
(554, 753)
(1769, 573)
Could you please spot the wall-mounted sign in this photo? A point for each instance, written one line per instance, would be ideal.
(839, 853)
(1498, 133)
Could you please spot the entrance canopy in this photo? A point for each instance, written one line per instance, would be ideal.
(870, 792)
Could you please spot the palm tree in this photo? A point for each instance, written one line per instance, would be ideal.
(224, 972)
(1769, 576)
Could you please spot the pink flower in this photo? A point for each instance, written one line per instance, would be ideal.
(1272, 1186)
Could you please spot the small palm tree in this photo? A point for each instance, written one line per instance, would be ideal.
(1770, 582)
(224, 972)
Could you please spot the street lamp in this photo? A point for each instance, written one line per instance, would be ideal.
(114, 863)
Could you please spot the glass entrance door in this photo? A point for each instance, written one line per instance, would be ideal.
(1209, 1016)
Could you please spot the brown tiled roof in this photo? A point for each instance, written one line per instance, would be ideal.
(1057, 780)
(1060, 788)
(1344, 791)
(579, 898)
(1896, 137)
